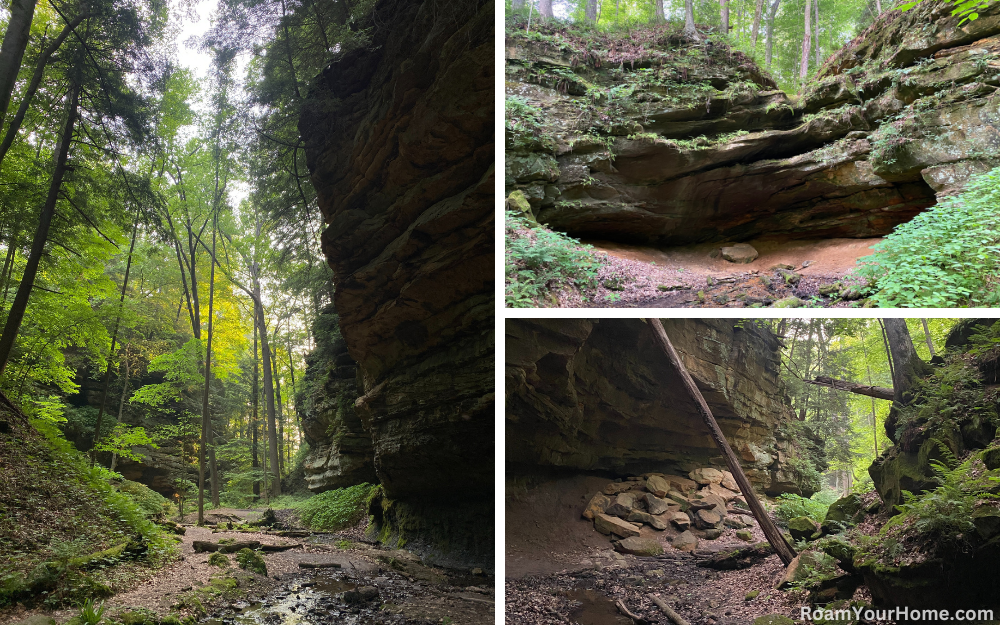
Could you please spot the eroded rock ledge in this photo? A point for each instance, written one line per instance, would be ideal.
(399, 138)
(599, 396)
(705, 149)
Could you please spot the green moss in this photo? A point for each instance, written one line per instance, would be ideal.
(335, 509)
(218, 559)
(251, 560)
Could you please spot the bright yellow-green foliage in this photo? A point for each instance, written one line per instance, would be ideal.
(335, 509)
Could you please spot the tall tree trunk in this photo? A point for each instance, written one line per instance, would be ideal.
(755, 33)
(256, 404)
(783, 549)
(868, 367)
(265, 351)
(545, 9)
(724, 10)
(907, 369)
(888, 352)
(16, 313)
(206, 419)
(114, 337)
(15, 41)
(806, 45)
(771, 15)
(36, 79)
(690, 31)
(590, 9)
(277, 397)
(927, 335)
(819, 53)
(658, 15)
(121, 403)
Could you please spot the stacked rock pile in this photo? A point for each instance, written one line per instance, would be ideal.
(696, 506)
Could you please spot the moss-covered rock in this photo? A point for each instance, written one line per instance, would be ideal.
(218, 559)
(251, 560)
(802, 528)
(844, 509)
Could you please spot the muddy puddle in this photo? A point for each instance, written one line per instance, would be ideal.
(594, 608)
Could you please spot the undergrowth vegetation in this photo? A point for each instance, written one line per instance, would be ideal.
(332, 510)
(70, 532)
(790, 506)
(946, 256)
(538, 262)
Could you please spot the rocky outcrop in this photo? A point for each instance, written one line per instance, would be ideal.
(600, 396)
(399, 139)
(340, 450)
(681, 144)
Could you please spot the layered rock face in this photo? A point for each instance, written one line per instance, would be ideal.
(399, 138)
(681, 144)
(340, 450)
(600, 396)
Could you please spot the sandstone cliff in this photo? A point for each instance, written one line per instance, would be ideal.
(399, 139)
(598, 396)
(660, 141)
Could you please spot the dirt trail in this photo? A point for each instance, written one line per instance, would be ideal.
(560, 570)
(673, 277)
(407, 591)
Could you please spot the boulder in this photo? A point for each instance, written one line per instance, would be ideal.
(707, 519)
(617, 487)
(806, 564)
(685, 541)
(606, 524)
(644, 517)
(991, 458)
(706, 476)
(655, 505)
(728, 481)
(657, 485)
(844, 509)
(712, 534)
(623, 504)
(802, 527)
(639, 546)
(680, 499)
(719, 490)
(681, 520)
(598, 505)
(741, 253)
(788, 302)
(987, 521)
(711, 499)
(744, 535)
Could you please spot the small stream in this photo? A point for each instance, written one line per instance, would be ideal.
(306, 600)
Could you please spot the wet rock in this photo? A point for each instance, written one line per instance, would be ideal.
(706, 476)
(741, 253)
(598, 505)
(640, 546)
(364, 594)
(685, 541)
(606, 524)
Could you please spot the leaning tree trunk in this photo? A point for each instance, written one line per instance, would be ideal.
(907, 369)
(927, 336)
(783, 549)
(875, 392)
(16, 313)
(15, 41)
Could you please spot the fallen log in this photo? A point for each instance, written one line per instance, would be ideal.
(292, 533)
(673, 616)
(274, 548)
(638, 620)
(203, 546)
(320, 565)
(878, 392)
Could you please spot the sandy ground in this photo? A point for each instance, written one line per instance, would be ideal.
(560, 570)
(674, 277)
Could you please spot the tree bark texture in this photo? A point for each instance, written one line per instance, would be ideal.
(907, 369)
(15, 41)
(876, 392)
(806, 44)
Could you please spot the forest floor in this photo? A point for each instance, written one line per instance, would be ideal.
(689, 277)
(356, 582)
(560, 570)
